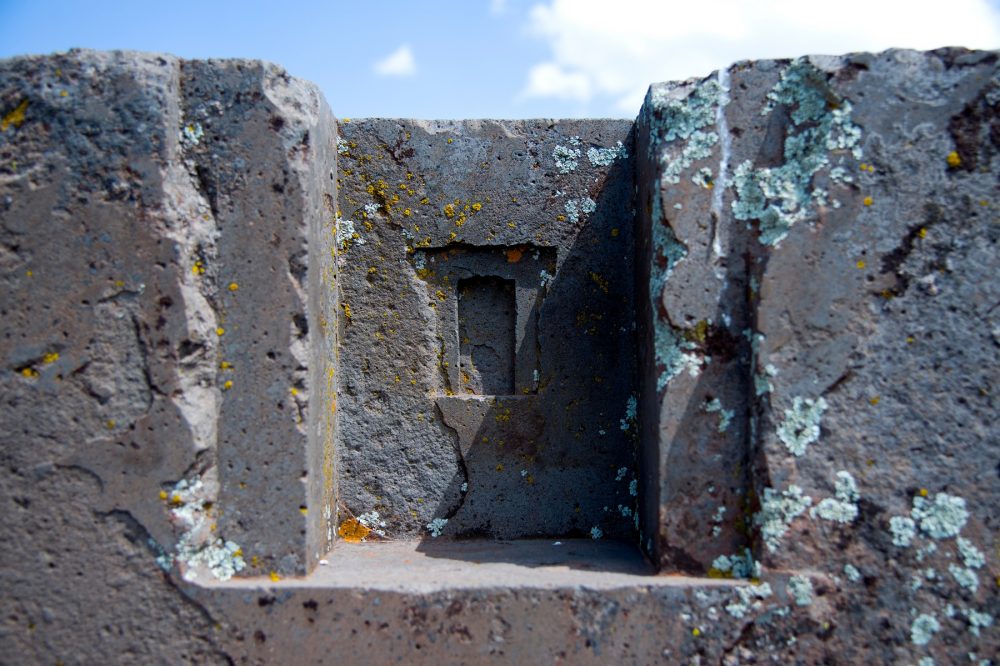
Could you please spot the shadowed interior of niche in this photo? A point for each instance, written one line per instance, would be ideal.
(547, 453)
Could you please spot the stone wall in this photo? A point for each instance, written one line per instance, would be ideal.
(717, 386)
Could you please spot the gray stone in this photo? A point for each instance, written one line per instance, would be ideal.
(755, 339)
(488, 357)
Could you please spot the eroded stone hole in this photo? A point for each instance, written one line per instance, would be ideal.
(487, 316)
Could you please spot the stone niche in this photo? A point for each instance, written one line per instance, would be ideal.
(489, 357)
(762, 318)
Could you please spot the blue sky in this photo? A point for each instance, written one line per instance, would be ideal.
(495, 58)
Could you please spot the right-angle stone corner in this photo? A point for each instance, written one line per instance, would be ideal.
(821, 330)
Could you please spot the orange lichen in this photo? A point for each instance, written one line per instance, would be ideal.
(352, 531)
(514, 255)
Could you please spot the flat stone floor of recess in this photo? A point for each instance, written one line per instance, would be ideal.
(428, 566)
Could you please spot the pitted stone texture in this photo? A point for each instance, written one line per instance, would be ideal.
(871, 325)
(265, 161)
(138, 331)
(694, 354)
(435, 216)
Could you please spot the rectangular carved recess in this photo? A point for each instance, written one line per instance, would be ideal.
(487, 314)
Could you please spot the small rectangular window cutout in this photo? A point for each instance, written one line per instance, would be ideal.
(487, 314)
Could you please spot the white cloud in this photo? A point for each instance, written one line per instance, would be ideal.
(498, 7)
(548, 79)
(616, 49)
(398, 63)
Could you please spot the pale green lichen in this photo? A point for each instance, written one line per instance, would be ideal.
(436, 526)
(923, 629)
(631, 411)
(778, 197)
(801, 425)
(192, 133)
(800, 589)
(741, 565)
(576, 207)
(566, 158)
(683, 112)
(903, 531)
(843, 508)
(762, 381)
(852, 573)
(596, 533)
(373, 521)
(198, 548)
(971, 556)
(777, 511)
(702, 177)
(978, 620)
(672, 351)
(965, 577)
(748, 598)
(601, 157)
(725, 415)
(941, 519)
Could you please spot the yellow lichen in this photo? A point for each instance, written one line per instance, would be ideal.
(860, 264)
(51, 357)
(228, 384)
(233, 286)
(476, 207)
(874, 401)
(867, 201)
(599, 281)
(15, 117)
(225, 365)
(30, 373)
(274, 576)
(220, 331)
(953, 160)
(614, 232)
(347, 310)
(922, 233)
(163, 495)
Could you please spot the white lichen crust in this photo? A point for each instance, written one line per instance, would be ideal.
(843, 508)
(941, 519)
(801, 425)
(800, 588)
(778, 197)
(923, 629)
(777, 511)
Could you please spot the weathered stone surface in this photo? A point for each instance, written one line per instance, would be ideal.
(815, 352)
(488, 356)
(148, 220)
(843, 264)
